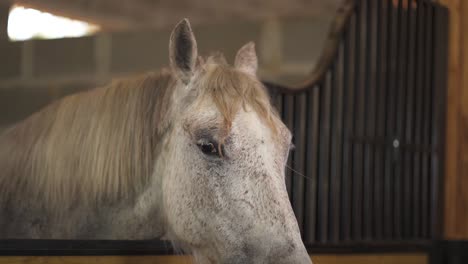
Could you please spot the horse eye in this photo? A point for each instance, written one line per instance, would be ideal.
(208, 148)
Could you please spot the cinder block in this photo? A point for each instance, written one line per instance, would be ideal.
(139, 51)
(10, 59)
(68, 56)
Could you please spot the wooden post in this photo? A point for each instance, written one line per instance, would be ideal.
(4, 12)
(456, 163)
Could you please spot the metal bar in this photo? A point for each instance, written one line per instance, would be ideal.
(368, 122)
(324, 157)
(329, 181)
(348, 94)
(359, 126)
(380, 118)
(384, 87)
(334, 195)
(433, 124)
(418, 117)
(399, 120)
(54, 247)
(299, 159)
(428, 74)
(389, 129)
(311, 188)
(409, 202)
(440, 53)
(336, 159)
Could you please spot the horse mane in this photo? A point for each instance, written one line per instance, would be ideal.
(100, 145)
(93, 146)
(231, 89)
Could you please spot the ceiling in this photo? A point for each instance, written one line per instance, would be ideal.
(131, 14)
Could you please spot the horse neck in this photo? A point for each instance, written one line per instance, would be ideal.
(63, 152)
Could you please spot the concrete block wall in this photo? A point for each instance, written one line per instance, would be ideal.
(33, 73)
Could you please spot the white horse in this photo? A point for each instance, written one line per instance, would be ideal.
(195, 154)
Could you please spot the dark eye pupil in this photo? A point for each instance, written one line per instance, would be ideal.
(208, 148)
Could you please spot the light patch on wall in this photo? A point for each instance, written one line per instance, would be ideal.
(27, 23)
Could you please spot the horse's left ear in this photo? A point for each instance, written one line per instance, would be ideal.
(246, 59)
(183, 51)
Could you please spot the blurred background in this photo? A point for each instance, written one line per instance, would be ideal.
(53, 47)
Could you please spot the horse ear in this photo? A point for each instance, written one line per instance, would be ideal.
(183, 51)
(246, 59)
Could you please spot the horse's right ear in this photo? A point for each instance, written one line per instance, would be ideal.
(183, 51)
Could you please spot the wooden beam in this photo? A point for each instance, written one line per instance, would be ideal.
(322, 259)
(462, 177)
(456, 162)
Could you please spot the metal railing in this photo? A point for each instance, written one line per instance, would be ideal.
(368, 126)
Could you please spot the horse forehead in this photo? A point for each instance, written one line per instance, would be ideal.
(250, 123)
(248, 118)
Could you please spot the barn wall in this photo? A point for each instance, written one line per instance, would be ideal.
(33, 73)
(4, 10)
(456, 177)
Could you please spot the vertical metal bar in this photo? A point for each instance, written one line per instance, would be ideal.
(440, 53)
(428, 74)
(299, 159)
(389, 129)
(399, 119)
(368, 121)
(371, 191)
(348, 114)
(359, 126)
(432, 119)
(324, 159)
(332, 100)
(336, 161)
(408, 201)
(380, 118)
(313, 132)
(331, 87)
(419, 64)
